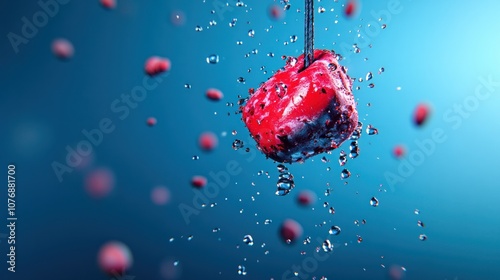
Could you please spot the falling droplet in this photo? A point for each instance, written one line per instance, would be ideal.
(374, 202)
(334, 230)
(241, 270)
(370, 130)
(213, 59)
(247, 239)
(327, 246)
(422, 237)
(369, 76)
(237, 144)
(345, 174)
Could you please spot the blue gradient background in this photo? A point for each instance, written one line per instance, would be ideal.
(436, 51)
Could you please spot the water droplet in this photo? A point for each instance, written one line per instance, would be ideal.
(268, 221)
(384, 26)
(293, 38)
(190, 238)
(357, 132)
(381, 70)
(284, 186)
(238, 144)
(374, 202)
(247, 239)
(198, 28)
(241, 270)
(321, 10)
(422, 237)
(369, 76)
(334, 230)
(331, 210)
(188, 86)
(420, 224)
(251, 32)
(416, 211)
(281, 168)
(233, 22)
(196, 158)
(372, 85)
(240, 80)
(327, 246)
(342, 158)
(370, 130)
(213, 59)
(345, 174)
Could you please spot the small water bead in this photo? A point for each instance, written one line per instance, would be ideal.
(216, 230)
(268, 221)
(331, 210)
(374, 202)
(342, 158)
(422, 237)
(189, 238)
(357, 132)
(334, 230)
(328, 191)
(188, 86)
(345, 174)
(293, 38)
(198, 28)
(233, 22)
(251, 33)
(370, 130)
(247, 239)
(240, 4)
(416, 211)
(420, 224)
(307, 240)
(195, 157)
(321, 10)
(240, 80)
(327, 246)
(284, 186)
(384, 26)
(381, 70)
(239, 42)
(237, 144)
(212, 23)
(325, 204)
(369, 76)
(241, 270)
(213, 59)
(354, 150)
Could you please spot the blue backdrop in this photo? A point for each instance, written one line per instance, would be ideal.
(442, 53)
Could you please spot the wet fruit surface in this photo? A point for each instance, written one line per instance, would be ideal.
(299, 113)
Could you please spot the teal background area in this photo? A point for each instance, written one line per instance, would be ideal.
(436, 52)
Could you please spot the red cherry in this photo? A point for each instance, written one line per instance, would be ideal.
(350, 8)
(421, 114)
(299, 113)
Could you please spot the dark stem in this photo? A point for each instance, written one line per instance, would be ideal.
(309, 34)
